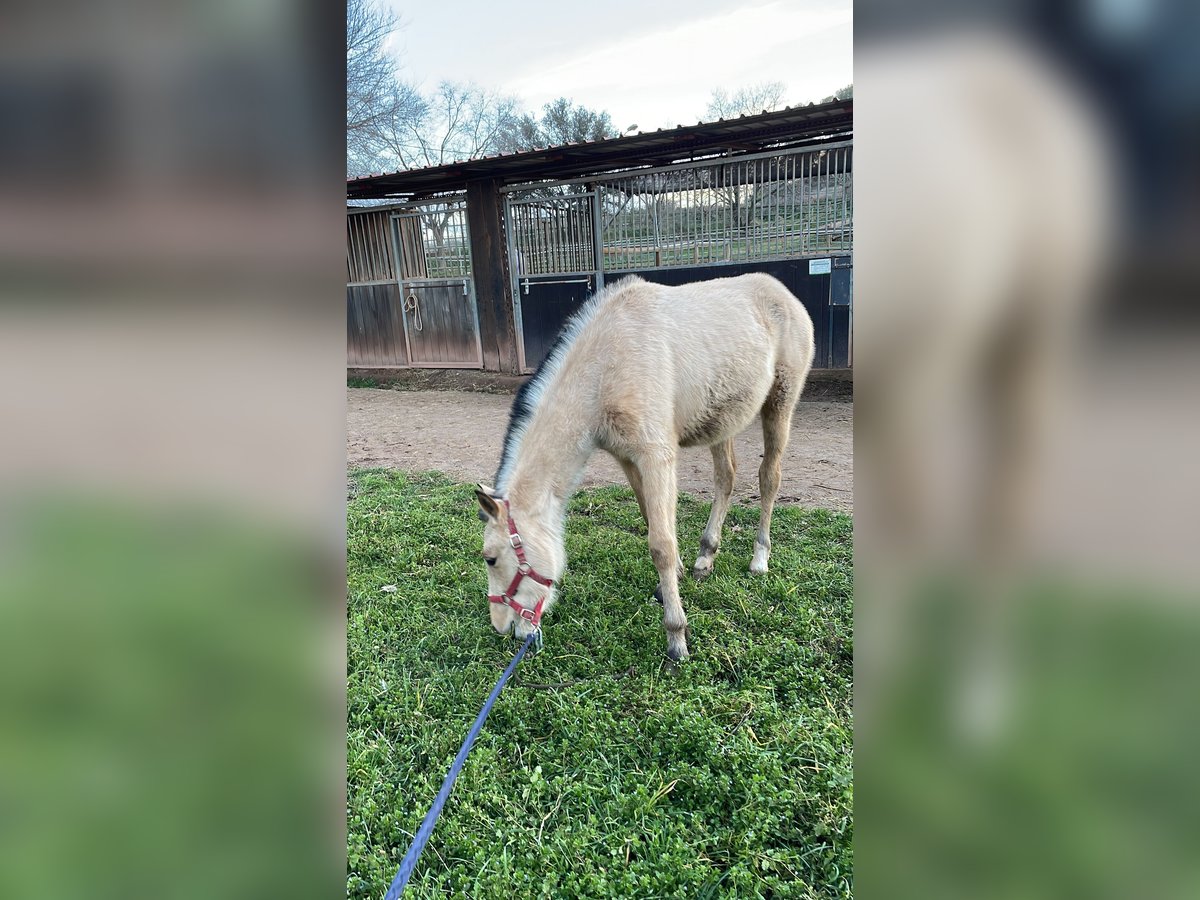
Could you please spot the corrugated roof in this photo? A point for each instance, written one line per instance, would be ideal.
(743, 134)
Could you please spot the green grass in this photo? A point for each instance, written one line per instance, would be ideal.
(357, 381)
(599, 774)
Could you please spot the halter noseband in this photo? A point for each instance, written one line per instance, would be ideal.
(524, 570)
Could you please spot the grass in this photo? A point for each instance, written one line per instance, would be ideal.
(356, 381)
(598, 773)
(165, 722)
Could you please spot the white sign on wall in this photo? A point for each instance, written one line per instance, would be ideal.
(820, 266)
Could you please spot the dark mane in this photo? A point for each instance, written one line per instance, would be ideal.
(532, 391)
(527, 397)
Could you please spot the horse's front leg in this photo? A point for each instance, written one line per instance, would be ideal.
(635, 482)
(657, 472)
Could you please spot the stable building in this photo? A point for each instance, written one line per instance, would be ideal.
(477, 264)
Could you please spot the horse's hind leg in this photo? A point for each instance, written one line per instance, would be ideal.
(635, 482)
(724, 470)
(777, 425)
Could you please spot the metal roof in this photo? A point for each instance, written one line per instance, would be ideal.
(743, 134)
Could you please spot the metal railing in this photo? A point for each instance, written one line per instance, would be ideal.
(755, 207)
(430, 241)
(551, 233)
(433, 241)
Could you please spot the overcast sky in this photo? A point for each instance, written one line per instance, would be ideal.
(650, 63)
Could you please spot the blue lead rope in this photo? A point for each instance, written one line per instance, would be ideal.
(422, 836)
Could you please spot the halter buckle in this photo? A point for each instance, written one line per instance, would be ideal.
(526, 614)
(515, 540)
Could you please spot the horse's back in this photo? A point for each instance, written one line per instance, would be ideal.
(723, 317)
(704, 355)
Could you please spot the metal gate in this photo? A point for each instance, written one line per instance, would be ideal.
(552, 257)
(437, 288)
(772, 211)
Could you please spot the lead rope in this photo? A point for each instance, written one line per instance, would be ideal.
(413, 305)
(422, 836)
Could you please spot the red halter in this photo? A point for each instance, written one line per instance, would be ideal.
(524, 570)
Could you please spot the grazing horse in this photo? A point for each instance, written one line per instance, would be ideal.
(641, 370)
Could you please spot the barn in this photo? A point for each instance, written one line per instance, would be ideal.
(477, 264)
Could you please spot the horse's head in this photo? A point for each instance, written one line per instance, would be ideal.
(517, 592)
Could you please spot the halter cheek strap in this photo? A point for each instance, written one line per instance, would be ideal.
(524, 570)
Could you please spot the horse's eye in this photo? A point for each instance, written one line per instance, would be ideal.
(490, 560)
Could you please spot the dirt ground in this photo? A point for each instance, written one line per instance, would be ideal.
(460, 434)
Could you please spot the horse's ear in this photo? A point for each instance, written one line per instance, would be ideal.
(487, 501)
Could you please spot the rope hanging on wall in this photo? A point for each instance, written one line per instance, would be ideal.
(412, 306)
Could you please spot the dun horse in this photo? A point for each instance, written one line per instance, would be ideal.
(640, 371)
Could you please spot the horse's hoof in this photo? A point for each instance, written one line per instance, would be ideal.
(677, 654)
(758, 563)
(700, 574)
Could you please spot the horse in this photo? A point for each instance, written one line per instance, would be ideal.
(976, 286)
(641, 370)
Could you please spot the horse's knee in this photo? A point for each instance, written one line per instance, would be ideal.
(725, 478)
(665, 556)
(770, 473)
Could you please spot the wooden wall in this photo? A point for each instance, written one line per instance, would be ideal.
(374, 327)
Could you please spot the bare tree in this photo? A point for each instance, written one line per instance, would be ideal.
(750, 100)
(844, 93)
(374, 96)
(560, 123)
(457, 121)
(756, 98)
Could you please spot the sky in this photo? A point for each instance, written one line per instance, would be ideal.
(649, 63)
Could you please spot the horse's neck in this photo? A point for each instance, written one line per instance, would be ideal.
(552, 456)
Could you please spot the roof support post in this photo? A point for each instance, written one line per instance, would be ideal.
(493, 288)
(598, 235)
